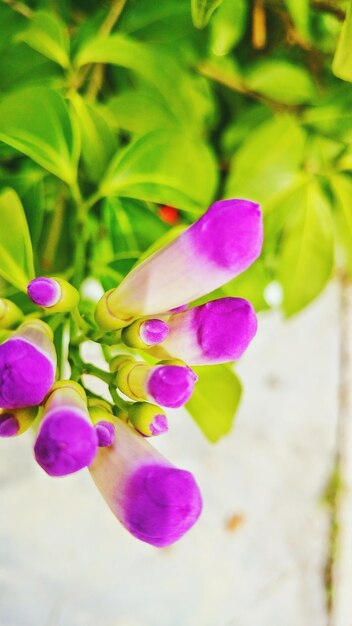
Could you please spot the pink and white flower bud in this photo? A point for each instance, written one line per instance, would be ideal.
(220, 245)
(27, 365)
(167, 384)
(67, 440)
(155, 501)
(215, 332)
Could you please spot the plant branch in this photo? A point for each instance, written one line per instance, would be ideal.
(97, 76)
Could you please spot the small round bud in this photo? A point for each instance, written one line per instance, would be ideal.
(104, 421)
(145, 333)
(14, 422)
(148, 419)
(169, 383)
(54, 294)
(105, 317)
(10, 314)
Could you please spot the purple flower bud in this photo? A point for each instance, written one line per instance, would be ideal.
(220, 245)
(27, 366)
(171, 385)
(168, 384)
(105, 433)
(54, 294)
(14, 422)
(144, 333)
(148, 419)
(67, 440)
(215, 332)
(44, 291)
(155, 501)
(9, 425)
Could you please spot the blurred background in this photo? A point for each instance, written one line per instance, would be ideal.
(144, 113)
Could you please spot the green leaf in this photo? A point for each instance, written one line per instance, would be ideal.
(202, 11)
(307, 251)
(281, 81)
(342, 63)
(16, 254)
(299, 10)
(28, 184)
(98, 143)
(267, 161)
(35, 121)
(164, 167)
(215, 400)
(141, 112)
(186, 96)
(342, 188)
(228, 25)
(48, 35)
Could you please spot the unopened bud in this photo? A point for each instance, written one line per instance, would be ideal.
(104, 421)
(14, 422)
(145, 333)
(148, 419)
(66, 440)
(54, 294)
(169, 383)
(105, 317)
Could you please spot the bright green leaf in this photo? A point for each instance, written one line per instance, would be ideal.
(228, 25)
(98, 143)
(186, 96)
(164, 167)
(202, 11)
(28, 184)
(300, 12)
(267, 161)
(48, 35)
(16, 254)
(342, 63)
(281, 81)
(342, 189)
(35, 121)
(140, 112)
(215, 400)
(307, 251)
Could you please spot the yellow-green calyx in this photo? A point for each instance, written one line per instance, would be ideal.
(10, 314)
(106, 318)
(148, 419)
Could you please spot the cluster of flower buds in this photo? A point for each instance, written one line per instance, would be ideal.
(150, 315)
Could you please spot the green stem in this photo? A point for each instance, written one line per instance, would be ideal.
(79, 320)
(120, 403)
(89, 368)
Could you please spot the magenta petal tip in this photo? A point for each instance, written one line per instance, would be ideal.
(66, 443)
(9, 425)
(105, 433)
(171, 385)
(161, 504)
(159, 425)
(44, 291)
(153, 331)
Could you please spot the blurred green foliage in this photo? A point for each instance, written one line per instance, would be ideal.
(109, 110)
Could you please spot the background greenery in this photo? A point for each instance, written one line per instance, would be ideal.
(110, 110)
